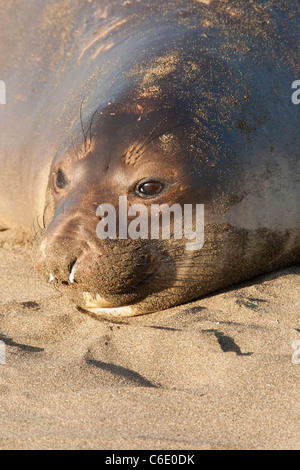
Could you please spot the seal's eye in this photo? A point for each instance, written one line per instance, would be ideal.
(148, 188)
(61, 181)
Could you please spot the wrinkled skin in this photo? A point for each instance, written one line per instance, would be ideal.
(196, 99)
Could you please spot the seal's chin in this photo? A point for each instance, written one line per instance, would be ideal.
(99, 306)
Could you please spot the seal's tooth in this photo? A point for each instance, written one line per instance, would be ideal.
(51, 277)
(71, 277)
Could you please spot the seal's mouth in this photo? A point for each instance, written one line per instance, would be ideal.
(102, 308)
(116, 278)
(99, 305)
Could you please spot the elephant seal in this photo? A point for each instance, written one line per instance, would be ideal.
(159, 103)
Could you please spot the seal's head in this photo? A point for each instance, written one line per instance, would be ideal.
(153, 144)
(130, 155)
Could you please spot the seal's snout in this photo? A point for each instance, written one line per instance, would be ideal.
(60, 248)
(92, 271)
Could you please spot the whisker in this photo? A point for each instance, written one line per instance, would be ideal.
(44, 212)
(82, 127)
(90, 126)
(73, 145)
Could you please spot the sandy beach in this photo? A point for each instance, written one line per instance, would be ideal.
(213, 374)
